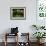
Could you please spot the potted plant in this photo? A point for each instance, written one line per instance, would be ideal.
(39, 35)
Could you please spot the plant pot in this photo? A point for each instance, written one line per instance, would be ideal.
(40, 40)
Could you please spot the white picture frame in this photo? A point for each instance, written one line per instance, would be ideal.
(18, 13)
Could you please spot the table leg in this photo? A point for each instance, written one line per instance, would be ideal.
(5, 40)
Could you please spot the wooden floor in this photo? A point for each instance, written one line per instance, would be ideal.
(13, 44)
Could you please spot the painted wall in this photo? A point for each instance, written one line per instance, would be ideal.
(24, 25)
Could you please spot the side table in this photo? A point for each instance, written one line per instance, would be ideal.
(9, 34)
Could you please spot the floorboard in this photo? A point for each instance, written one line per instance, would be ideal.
(13, 44)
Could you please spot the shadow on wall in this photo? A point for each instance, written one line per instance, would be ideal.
(7, 31)
(11, 30)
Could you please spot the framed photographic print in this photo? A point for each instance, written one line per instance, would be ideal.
(41, 8)
(41, 12)
(18, 13)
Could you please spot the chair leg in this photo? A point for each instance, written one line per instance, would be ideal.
(5, 43)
